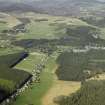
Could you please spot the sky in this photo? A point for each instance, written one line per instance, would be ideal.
(101, 0)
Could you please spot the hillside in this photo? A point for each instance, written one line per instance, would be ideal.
(78, 66)
(52, 52)
(62, 7)
(11, 79)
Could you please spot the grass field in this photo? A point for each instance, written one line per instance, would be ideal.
(46, 27)
(53, 27)
(40, 30)
(29, 63)
(60, 88)
(6, 51)
(37, 30)
(39, 93)
(3, 26)
(103, 33)
(35, 93)
(11, 79)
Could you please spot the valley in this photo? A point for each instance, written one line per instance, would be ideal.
(52, 58)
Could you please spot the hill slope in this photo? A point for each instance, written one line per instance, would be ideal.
(56, 7)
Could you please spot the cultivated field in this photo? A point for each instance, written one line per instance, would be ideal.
(37, 91)
(47, 27)
(59, 48)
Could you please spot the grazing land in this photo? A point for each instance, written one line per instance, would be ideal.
(52, 60)
(48, 27)
(38, 90)
(11, 79)
(30, 63)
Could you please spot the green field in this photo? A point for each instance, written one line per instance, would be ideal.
(11, 79)
(3, 26)
(29, 63)
(42, 33)
(5, 51)
(35, 93)
(53, 28)
(37, 30)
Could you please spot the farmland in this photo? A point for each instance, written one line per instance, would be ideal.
(38, 90)
(62, 56)
(47, 27)
(3, 26)
(48, 82)
(29, 63)
(10, 81)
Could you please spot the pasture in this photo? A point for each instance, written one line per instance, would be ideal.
(48, 27)
(37, 90)
(11, 79)
(53, 34)
(5, 51)
(29, 64)
(3, 26)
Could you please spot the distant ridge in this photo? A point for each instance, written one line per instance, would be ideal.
(54, 7)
